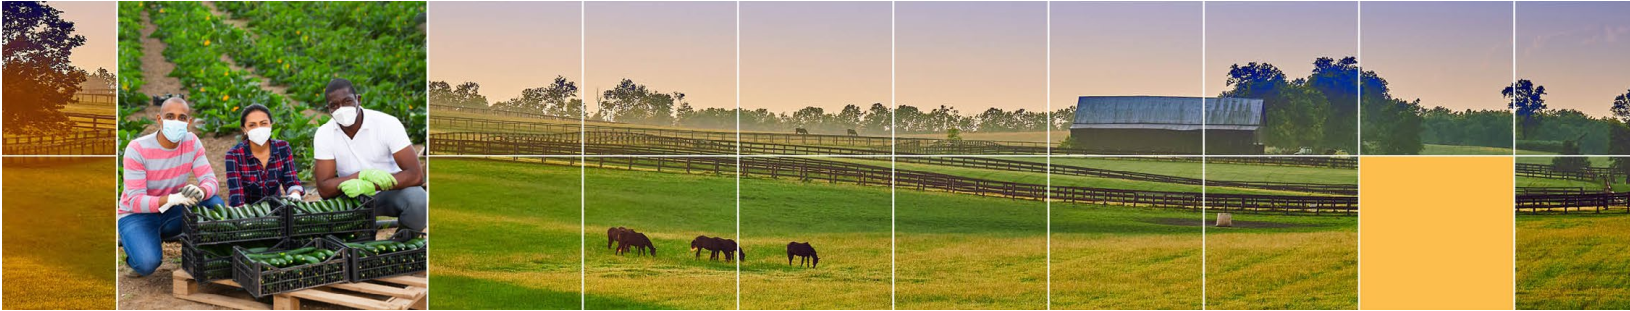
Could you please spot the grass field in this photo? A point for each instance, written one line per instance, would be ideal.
(1537, 159)
(514, 238)
(59, 235)
(1464, 150)
(1524, 181)
(1573, 262)
(951, 251)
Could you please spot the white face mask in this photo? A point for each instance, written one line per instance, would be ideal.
(174, 130)
(260, 135)
(345, 116)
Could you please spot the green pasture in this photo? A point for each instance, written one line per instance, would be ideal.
(60, 234)
(1464, 150)
(1573, 262)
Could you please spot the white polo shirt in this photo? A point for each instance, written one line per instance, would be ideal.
(380, 137)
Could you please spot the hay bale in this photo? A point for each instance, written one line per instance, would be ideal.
(1225, 220)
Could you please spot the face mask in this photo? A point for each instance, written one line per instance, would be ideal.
(174, 130)
(345, 116)
(260, 135)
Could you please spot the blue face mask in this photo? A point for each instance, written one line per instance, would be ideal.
(174, 130)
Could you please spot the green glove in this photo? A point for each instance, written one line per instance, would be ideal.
(356, 187)
(378, 177)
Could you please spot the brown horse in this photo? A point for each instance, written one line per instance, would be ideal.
(805, 252)
(716, 245)
(611, 235)
(635, 241)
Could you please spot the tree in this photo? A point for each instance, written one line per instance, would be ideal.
(634, 103)
(1338, 81)
(39, 80)
(848, 118)
(878, 119)
(1299, 112)
(1621, 107)
(1529, 100)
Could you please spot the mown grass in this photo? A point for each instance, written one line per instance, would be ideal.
(952, 251)
(59, 234)
(1578, 262)
(1463, 150)
(1525, 181)
(1310, 264)
(1594, 161)
(505, 230)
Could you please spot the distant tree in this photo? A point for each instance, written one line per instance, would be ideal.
(1621, 107)
(1299, 112)
(953, 134)
(1619, 143)
(1529, 100)
(467, 94)
(634, 103)
(1338, 81)
(878, 119)
(1396, 128)
(848, 118)
(101, 80)
(1063, 119)
(39, 80)
(1570, 164)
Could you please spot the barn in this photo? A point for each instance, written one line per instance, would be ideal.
(1167, 124)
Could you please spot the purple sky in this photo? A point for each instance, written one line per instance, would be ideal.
(1125, 48)
(822, 54)
(1580, 52)
(971, 55)
(1451, 54)
(540, 40)
(1289, 35)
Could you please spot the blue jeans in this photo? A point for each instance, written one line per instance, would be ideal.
(143, 235)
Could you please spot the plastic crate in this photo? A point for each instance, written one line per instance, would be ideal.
(348, 225)
(262, 280)
(367, 267)
(207, 265)
(211, 232)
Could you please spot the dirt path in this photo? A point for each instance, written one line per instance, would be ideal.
(155, 69)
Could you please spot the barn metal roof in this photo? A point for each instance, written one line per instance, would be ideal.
(1167, 112)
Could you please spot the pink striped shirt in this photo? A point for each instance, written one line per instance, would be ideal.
(152, 172)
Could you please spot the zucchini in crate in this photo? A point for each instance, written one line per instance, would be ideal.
(290, 267)
(349, 218)
(404, 253)
(261, 220)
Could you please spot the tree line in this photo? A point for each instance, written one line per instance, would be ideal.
(631, 102)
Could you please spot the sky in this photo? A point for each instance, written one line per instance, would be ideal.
(505, 46)
(687, 47)
(98, 22)
(1455, 55)
(1579, 51)
(1289, 35)
(971, 55)
(1125, 48)
(821, 54)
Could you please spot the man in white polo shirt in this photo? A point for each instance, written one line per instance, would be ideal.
(366, 152)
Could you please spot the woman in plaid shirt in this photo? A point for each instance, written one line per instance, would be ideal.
(259, 166)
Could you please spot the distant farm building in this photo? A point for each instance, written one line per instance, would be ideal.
(1167, 125)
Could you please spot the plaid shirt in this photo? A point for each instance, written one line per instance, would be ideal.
(248, 181)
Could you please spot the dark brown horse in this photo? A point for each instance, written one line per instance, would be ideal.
(636, 242)
(716, 245)
(805, 252)
(611, 235)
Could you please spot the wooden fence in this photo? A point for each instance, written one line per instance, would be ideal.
(1572, 202)
(83, 142)
(1548, 171)
(659, 155)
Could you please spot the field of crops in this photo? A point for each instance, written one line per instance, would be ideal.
(951, 251)
(58, 235)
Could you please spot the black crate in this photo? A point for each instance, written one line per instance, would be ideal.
(212, 262)
(211, 232)
(262, 280)
(348, 225)
(367, 267)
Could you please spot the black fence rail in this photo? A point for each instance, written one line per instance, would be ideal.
(82, 142)
(819, 170)
(1572, 203)
(1551, 190)
(1549, 171)
(93, 121)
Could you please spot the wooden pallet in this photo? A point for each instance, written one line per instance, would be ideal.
(400, 293)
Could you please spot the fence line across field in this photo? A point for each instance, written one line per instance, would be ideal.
(1549, 171)
(83, 142)
(809, 170)
(1564, 203)
(559, 144)
(845, 145)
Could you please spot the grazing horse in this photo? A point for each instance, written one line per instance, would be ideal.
(612, 234)
(635, 241)
(852, 133)
(711, 244)
(801, 131)
(805, 252)
(730, 248)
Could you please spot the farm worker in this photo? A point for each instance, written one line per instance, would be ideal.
(156, 170)
(366, 152)
(260, 166)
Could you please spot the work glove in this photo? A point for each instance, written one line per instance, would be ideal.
(296, 196)
(176, 199)
(378, 177)
(356, 187)
(193, 192)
